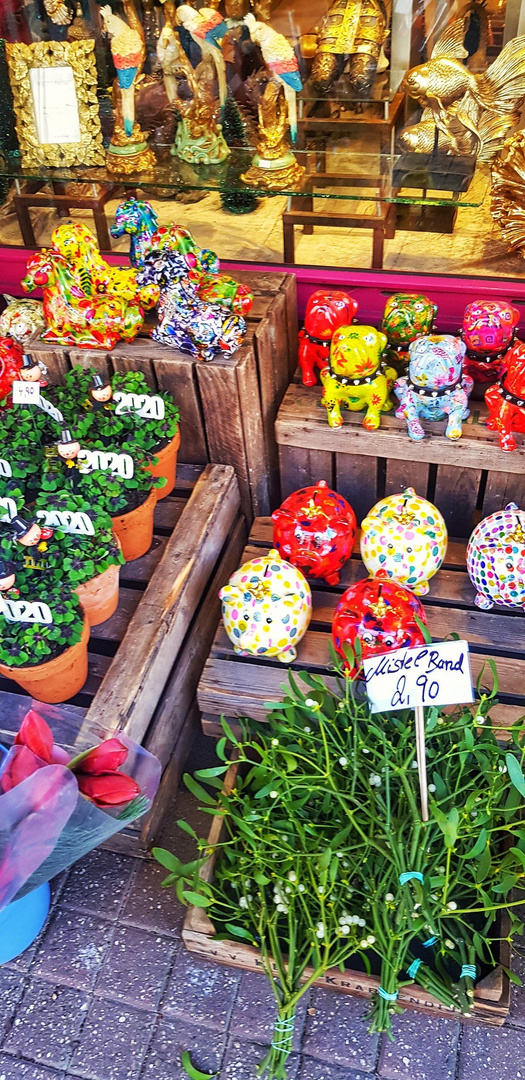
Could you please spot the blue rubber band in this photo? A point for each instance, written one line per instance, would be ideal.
(285, 1028)
(386, 996)
(468, 971)
(410, 875)
(430, 941)
(414, 968)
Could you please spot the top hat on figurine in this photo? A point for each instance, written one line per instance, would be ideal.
(67, 446)
(31, 370)
(101, 390)
(26, 533)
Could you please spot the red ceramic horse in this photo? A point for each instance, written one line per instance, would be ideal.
(326, 311)
(506, 400)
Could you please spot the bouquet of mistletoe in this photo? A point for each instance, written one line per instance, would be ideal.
(324, 858)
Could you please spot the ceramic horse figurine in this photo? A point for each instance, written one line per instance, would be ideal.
(139, 220)
(72, 318)
(177, 238)
(94, 276)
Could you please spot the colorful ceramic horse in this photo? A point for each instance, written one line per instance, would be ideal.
(176, 238)
(72, 318)
(139, 220)
(165, 268)
(93, 274)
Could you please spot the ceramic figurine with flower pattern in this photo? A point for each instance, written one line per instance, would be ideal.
(315, 528)
(407, 316)
(506, 399)
(379, 614)
(489, 328)
(435, 387)
(356, 376)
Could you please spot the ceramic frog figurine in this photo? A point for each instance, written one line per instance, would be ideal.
(405, 537)
(435, 387)
(356, 377)
(266, 608)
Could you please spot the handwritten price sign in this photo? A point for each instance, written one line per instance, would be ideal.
(437, 674)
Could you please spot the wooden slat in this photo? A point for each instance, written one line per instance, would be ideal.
(503, 488)
(356, 478)
(135, 356)
(403, 474)
(222, 411)
(55, 359)
(301, 467)
(255, 439)
(456, 495)
(176, 375)
(92, 359)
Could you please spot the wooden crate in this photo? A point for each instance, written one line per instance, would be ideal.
(491, 995)
(238, 686)
(145, 662)
(228, 407)
(466, 479)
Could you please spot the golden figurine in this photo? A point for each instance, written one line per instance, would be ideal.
(58, 12)
(274, 166)
(199, 139)
(472, 112)
(353, 30)
(508, 192)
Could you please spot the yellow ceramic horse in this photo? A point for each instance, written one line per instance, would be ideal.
(94, 275)
(356, 377)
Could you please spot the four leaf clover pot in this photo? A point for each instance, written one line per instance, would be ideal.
(166, 466)
(99, 596)
(55, 680)
(134, 530)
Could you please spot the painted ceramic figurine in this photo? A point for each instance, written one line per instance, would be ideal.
(176, 238)
(315, 528)
(496, 559)
(207, 28)
(506, 400)
(198, 328)
(138, 219)
(326, 311)
(435, 387)
(266, 608)
(489, 328)
(378, 613)
(407, 316)
(274, 165)
(166, 267)
(21, 318)
(356, 376)
(7, 574)
(94, 275)
(198, 138)
(405, 537)
(279, 57)
(128, 151)
(10, 366)
(352, 31)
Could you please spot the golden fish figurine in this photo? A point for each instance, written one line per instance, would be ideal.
(487, 105)
(508, 192)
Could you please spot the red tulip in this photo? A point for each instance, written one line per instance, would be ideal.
(108, 789)
(22, 763)
(105, 758)
(36, 734)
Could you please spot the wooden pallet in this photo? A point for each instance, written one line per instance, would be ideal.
(145, 662)
(466, 479)
(491, 994)
(237, 686)
(228, 407)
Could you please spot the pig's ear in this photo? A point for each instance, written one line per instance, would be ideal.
(282, 515)
(230, 594)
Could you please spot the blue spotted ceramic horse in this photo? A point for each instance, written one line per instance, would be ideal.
(139, 220)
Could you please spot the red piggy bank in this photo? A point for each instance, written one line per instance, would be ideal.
(380, 614)
(315, 529)
(326, 311)
(506, 400)
(10, 366)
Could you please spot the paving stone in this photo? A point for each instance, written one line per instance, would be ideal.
(336, 1032)
(492, 1054)
(318, 1070)
(517, 993)
(136, 967)
(171, 1038)
(242, 1058)
(73, 949)
(254, 1011)
(15, 1069)
(150, 906)
(113, 1042)
(11, 989)
(47, 1022)
(425, 1048)
(98, 883)
(200, 992)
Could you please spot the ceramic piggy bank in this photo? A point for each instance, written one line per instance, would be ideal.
(380, 614)
(506, 400)
(326, 311)
(406, 317)
(356, 377)
(22, 318)
(405, 537)
(496, 559)
(315, 528)
(435, 387)
(266, 608)
(488, 331)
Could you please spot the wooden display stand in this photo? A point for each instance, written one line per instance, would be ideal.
(145, 662)
(32, 194)
(228, 407)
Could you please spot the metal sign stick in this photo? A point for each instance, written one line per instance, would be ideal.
(419, 713)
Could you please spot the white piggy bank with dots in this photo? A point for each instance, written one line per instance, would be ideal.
(266, 608)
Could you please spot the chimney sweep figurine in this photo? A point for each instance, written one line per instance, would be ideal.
(28, 533)
(31, 370)
(67, 446)
(101, 392)
(7, 575)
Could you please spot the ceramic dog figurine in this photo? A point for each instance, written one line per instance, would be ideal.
(405, 537)
(488, 330)
(326, 311)
(496, 559)
(315, 528)
(506, 400)
(266, 608)
(407, 316)
(356, 377)
(435, 387)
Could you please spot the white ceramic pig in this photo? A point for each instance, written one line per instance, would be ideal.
(496, 559)
(267, 607)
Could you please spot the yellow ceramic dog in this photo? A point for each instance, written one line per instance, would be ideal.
(356, 376)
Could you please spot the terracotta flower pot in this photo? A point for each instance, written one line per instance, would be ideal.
(167, 466)
(99, 597)
(55, 680)
(135, 529)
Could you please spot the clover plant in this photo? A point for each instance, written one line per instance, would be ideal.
(75, 557)
(23, 644)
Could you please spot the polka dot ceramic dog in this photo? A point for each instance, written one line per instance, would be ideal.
(405, 537)
(435, 387)
(266, 608)
(496, 559)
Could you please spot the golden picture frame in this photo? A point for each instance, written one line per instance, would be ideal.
(54, 85)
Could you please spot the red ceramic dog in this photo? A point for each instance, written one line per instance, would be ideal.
(506, 400)
(488, 332)
(326, 311)
(315, 529)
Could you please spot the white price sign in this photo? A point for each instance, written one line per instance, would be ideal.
(436, 674)
(25, 393)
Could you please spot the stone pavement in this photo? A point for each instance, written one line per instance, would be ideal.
(108, 992)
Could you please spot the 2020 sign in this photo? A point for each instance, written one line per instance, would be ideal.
(25, 611)
(75, 522)
(107, 461)
(149, 406)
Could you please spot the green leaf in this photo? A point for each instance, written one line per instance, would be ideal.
(507, 883)
(191, 1071)
(516, 776)
(196, 899)
(220, 749)
(512, 976)
(448, 824)
(240, 931)
(187, 828)
(228, 731)
(216, 770)
(483, 867)
(199, 792)
(166, 859)
(479, 846)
